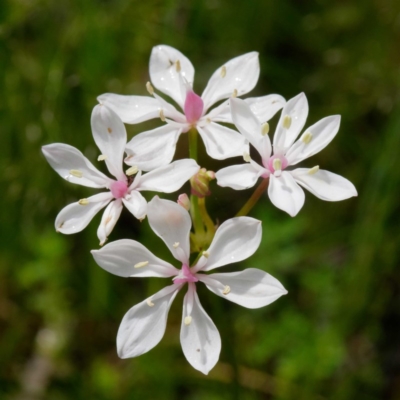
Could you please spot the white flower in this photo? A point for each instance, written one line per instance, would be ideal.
(173, 74)
(143, 326)
(284, 190)
(110, 136)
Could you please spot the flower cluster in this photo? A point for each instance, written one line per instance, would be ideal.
(185, 226)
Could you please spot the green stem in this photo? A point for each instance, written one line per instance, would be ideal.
(251, 202)
(208, 222)
(193, 144)
(196, 215)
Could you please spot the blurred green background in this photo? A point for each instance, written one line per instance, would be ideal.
(336, 335)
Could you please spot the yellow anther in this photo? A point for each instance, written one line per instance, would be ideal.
(226, 290)
(223, 72)
(149, 303)
(83, 202)
(141, 264)
(132, 170)
(175, 245)
(208, 120)
(162, 116)
(206, 254)
(313, 170)
(235, 93)
(76, 173)
(265, 128)
(287, 121)
(178, 66)
(277, 164)
(109, 130)
(150, 88)
(187, 321)
(101, 157)
(246, 157)
(306, 138)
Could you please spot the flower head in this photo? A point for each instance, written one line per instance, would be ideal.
(143, 326)
(124, 189)
(284, 188)
(173, 74)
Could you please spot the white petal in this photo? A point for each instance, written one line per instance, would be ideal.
(152, 149)
(169, 178)
(164, 75)
(200, 340)
(251, 288)
(169, 110)
(285, 193)
(172, 223)
(241, 74)
(265, 107)
(324, 184)
(238, 177)
(120, 257)
(295, 112)
(110, 136)
(75, 217)
(222, 142)
(235, 240)
(65, 158)
(108, 220)
(221, 113)
(314, 139)
(136, 204)
(143, 326)
(131, 109)
(250, 127)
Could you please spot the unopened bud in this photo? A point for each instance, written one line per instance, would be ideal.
(183, 200)
(201, 182)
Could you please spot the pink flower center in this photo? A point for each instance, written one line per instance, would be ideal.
(193, 107)
(119, 189)
(275, 162)
(185, 275)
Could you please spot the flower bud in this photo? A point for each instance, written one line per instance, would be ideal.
(184, 201)
(201, 182)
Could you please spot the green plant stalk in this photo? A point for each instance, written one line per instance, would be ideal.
(252, 201)
(207, 221)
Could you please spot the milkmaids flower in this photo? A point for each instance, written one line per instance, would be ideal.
(110, 136)
(173, 74)
(143, 326)
(284, 190)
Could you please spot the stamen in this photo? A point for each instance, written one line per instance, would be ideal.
(108, 220)
(313, 170)
(109, 130)
(265, 128)
(175, 245)
(162, 116)
(83, 202)
(141, 264)
(206, 254)
(246, 157)
(150, 88)
(277, 164)
(223, 72)
(235, 93)
(149, 303)
(287, 121)
(178, 66)
(187, 321)
(226, 290)
(101, 157)
(132, 170)
(76, 173)
(306, 138)
(208, 120)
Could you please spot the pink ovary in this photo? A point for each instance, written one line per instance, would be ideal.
(270, 163)
(193, 107)
(185, 275)
(119, 189)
